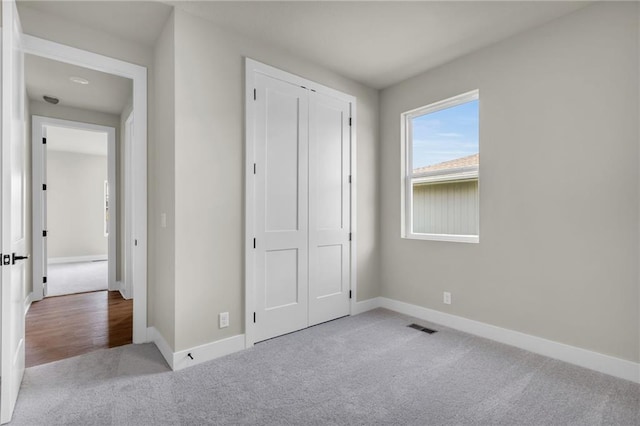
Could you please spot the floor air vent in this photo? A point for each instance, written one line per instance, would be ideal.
(421, 328)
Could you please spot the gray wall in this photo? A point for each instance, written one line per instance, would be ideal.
(162, 240)
(209, 173)
(558, 251)
(75, 204)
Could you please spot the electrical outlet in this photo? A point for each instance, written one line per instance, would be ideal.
(446, 298)
(223, 319)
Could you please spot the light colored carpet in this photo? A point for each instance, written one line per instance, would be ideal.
(78, 277)
(367, 369)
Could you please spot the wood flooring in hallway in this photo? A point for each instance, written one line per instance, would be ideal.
(65, 326)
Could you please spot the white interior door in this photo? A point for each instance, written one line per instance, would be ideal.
(329, 214)
(13, 227)
(281, 203)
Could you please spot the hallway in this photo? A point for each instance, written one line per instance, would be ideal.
(65, 326)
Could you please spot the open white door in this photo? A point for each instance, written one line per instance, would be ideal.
(13, 229)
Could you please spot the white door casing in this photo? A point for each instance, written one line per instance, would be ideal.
(39, 197)
(128, 268)
(13, 211)
(299, 163)
(59, 52)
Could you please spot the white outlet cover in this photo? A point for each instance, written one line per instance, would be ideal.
(223, 319)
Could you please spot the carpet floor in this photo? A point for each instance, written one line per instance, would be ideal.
(77, 277)
(366, 369)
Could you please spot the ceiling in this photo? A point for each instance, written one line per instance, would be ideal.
(378, 43)
(105, 92)
(139, 21)
(76, 140)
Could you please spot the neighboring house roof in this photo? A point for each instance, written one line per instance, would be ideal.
(463, 168)
(471, 160)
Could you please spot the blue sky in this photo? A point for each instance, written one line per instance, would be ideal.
(445, 135)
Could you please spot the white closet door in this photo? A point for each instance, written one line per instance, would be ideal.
(281, 195)
(329, 196)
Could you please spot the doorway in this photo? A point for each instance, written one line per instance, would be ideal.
(133, 237)
(75, 194)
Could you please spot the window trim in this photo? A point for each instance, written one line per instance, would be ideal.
(406, 169)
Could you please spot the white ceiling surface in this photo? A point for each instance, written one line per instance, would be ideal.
(104, 93)
(378, 43)
(76, 140)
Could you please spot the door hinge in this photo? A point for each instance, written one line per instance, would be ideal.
(44, 141)
(44, 233)
(254, 168)
(255, 94)
(349, 178)
(349, 121)
(254, 243)
(135, 242)
(254, 317)
(44, 280)
(44, 186)
(349, 236)
(349, 294)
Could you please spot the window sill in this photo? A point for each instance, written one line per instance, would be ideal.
(474, 239)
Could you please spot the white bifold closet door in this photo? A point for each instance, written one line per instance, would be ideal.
(329, 199)
(302, 201)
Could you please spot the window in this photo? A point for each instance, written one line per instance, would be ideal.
(441, 159)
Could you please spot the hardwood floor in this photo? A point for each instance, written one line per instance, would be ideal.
(65, 326)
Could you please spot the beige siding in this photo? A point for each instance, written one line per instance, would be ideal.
(447, 208)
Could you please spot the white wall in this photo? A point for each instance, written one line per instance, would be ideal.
(75, 200)
(558, 252)
(209, 174)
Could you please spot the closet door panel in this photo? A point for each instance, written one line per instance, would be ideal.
(329, 197)
(281, 147)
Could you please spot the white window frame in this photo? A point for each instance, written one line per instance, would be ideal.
(407, 169)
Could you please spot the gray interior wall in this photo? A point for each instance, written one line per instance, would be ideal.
(209, 225)
(558, 251)
(75, 204)
(162, 185)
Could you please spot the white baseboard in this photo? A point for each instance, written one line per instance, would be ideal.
(207, 352)
(27, 303)
(203, 353)
(91, 258)
(584, 358)
(365, 305)
(153, 335)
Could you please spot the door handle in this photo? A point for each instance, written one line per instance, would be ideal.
(14, 258)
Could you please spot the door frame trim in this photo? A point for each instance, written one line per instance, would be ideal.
(38, 169)
(138, 74)
(252, 66)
